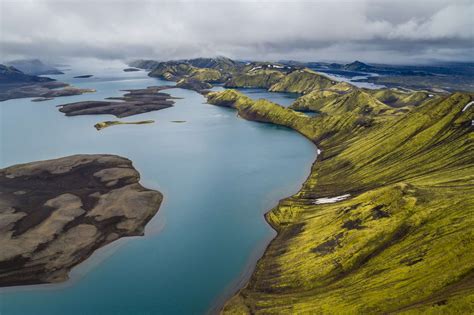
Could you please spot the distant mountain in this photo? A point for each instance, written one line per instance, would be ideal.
(146, 64)
(16, 84)
(358, 66)
(33, 67)
(11, 75)
(218, 63)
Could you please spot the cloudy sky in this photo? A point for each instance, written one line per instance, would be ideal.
(389, 31)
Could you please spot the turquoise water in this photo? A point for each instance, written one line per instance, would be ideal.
(218, 174)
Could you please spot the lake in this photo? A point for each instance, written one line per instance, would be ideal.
(219, 174)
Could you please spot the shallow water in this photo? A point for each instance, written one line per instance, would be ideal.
(218, 174)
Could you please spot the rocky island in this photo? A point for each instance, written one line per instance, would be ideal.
(132, 103)
(109, 123)
(54, 214)
(84, 76)
(16, 84)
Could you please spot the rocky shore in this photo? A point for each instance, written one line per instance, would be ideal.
(54, 214)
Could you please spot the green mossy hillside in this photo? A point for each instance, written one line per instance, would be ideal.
(302, 81)
(255, 79)
(175, 70)
(398, 98)
(272, 76)
(402, 242)
(343, 114)
(314, 100)
(172, 71)
(395, 98)
(206, 75)
(222, 64)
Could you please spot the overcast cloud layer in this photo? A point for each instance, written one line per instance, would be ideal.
(395, 31)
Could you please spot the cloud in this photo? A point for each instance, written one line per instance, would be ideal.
(344, 30)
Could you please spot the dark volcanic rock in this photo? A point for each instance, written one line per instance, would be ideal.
(56, 213)
(132, 103)
(83, 76)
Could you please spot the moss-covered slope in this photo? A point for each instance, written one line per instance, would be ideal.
(398, 98)
(255, 79)
(401, 242)
(314, 100)
(176, 70)
(302, 81)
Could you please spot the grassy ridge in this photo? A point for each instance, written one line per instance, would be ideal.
(302, 81)
(257, 79)
(402, 241)
(173, 71)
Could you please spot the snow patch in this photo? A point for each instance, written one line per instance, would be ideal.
(467, 106)
(255, 68)
(331, 200)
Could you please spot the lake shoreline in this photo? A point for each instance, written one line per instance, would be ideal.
(156, 253)
(243, 280)
(320, 224)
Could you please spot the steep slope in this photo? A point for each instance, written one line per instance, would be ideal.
(395, 98)
(223, 64)
(172, 70)
(302, 81)
(206, 75)
(262, 78)
(314, 100)
(400, 238)
(398, 98)
(177, 70)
